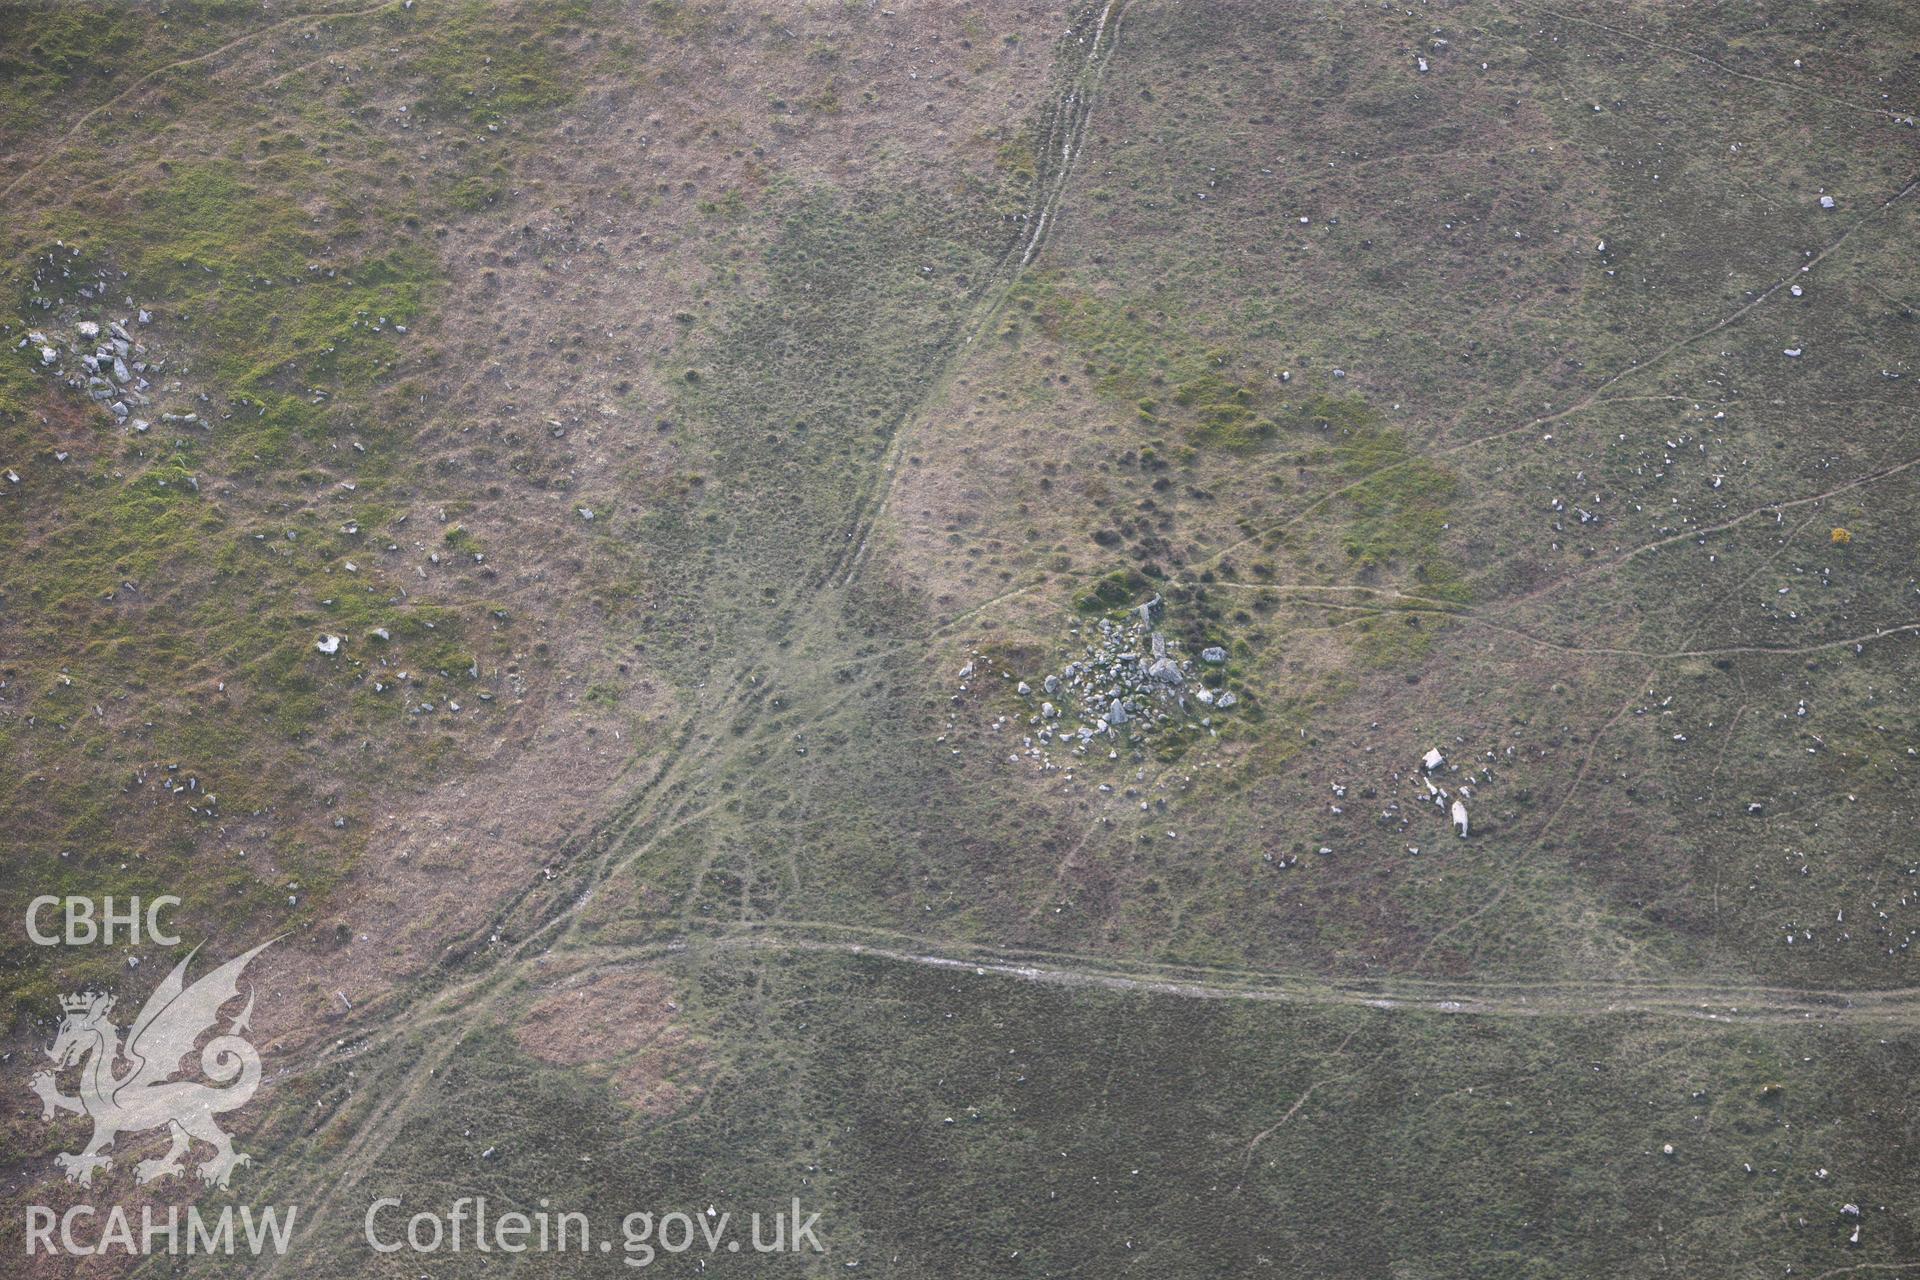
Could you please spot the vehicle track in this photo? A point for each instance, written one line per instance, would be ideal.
(1056, 154)
(444, 1006)
(59, 144)
(1732, 1002)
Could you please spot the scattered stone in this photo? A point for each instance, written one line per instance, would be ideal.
(1432, 760)
(1132, 683)
(327, 644)
(1214, 654)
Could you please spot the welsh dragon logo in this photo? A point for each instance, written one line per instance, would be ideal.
(144, 1095)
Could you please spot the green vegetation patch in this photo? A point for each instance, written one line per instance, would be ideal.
(1137, 350)
(59, 59)
(485, 62)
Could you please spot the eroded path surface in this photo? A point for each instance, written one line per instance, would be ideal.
(788, 423)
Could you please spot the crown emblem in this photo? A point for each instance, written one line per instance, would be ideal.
(81, 1001)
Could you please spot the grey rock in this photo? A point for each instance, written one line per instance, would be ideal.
(1214, 654)
(1116, 713)
(1225, 700)
(1167, 671)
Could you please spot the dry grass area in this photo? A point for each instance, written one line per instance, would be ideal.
(567, 264)
(640, 449)
(624, 1023)
(572, 260)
